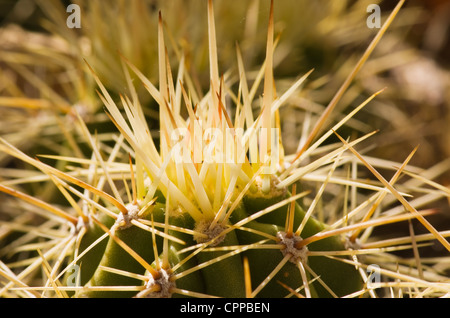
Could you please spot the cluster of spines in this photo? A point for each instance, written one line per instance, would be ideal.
(215, 265)
(240, 230)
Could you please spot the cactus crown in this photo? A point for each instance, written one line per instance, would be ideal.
(212, 209)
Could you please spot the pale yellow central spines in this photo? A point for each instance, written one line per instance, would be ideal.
(200, 186)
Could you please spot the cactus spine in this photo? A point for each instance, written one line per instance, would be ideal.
(210, 196)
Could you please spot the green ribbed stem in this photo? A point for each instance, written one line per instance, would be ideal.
(341, 278)
(263, 261)
(226, 277)
(140, 241)
(89, 262)
(193, 281)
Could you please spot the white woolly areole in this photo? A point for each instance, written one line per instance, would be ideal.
(82, 223)
(274, 190)
(163, 281)
(203, 227)
(124, 220)
(289, 243)
(352, 244)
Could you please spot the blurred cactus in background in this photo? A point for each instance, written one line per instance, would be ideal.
(203, 149)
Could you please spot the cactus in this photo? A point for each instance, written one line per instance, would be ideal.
(212, 207)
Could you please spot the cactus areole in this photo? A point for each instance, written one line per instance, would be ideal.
(230, 225)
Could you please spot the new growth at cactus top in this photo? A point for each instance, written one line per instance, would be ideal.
(190, 192)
